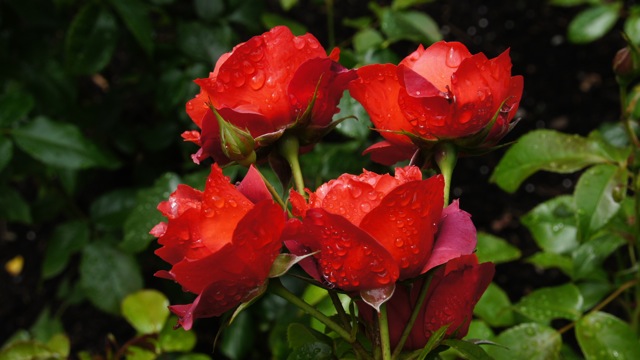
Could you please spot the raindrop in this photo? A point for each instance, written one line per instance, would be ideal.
(365, 207)
(453, 59)
(257, 81)
(298, 43)
(399, 242)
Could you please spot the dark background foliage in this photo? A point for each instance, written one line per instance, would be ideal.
(127, 104)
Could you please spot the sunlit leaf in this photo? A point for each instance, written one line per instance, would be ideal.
(146, 310)
(553, 224)
(604, 336)
(494, 249)
(176, 340)
(529, 341)
(593, 22)
(546, 304)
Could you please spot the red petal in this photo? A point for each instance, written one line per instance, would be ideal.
(377, 89)
(438, 62)
(293, 235)
(298, 203)
(198, 107)
(386, 153)
(456, 236)
(223, 207)
(350, 198)
(454, 292)
(349, 259)
(253, 186)
(405, 223)
(181, 200)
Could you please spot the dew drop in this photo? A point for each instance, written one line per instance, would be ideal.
(298, 43)
(238, 79)
(365, 207)
(257, 81)
(399, 242)
(453, 59)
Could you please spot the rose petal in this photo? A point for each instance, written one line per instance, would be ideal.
(253, 186)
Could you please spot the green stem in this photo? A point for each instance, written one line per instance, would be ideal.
(384, 333)
(273, 191)
(446, 158)
(414, 316)
(276, 287)
(290, 149)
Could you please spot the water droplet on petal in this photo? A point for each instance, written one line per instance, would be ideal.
(257, 81)
(299, 43)
(453, 58)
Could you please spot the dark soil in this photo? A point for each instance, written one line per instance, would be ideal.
(568, 87)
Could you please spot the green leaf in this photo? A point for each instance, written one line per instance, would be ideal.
(409, 25)
(546, 304)
(632, 24)
(546, 150)
(16, 208)
(205, 43)
(593, 292)
(405, 4)
(107, 275)
(66, 240)
(468, 349)
(239, 337)
(176, 340)
(494, 307)
(597, 197)
(60, 344)
(135, 15)
(589, 257)
(209, 10)
(6, 151)
(604, 336)
(14, 105)
(494, 249)
(145, 215)
(367, 39)
(91, 39)
(46, 326)
(271, 20)
(139, 353)
(286, 5)
(527, 341)
(433, 341)
(61, 145)
(478, 329)
(548, 260)
(299, 335)
(312, 351)
(553, 225)
(567, 3)
(146, 310)
(592, 23)
(358, 128)
(29, 350)
(112, 209)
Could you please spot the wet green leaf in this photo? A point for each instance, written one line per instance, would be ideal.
(632, 24)
(6, 151)
(589, 257)
(312, 351)
(468, 349)
(18, 211)
(367, 39)
(409, 25)
(593, 22)
(146, 310)
(494, 249)
(239, 337)
(107, 275)
(604, 336)
(14, 106)
(494, 307)
(135, 15)
(546, 304)
(205, 42)
(176, 340)
(91, 39)
(60, 144)
(547, 150)
(553, 225)
(595, 197)
(111, 209)
(548, 260)
(527, 341)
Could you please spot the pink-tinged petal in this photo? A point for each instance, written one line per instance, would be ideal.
(349, 258)
(454, 292)
(377, 89)
(159, 229)
(416, 85)
(456, 236)
(438, 62)
(427, 115)
(294, 232)
(222, 208)
(386, 153)
(324, 78)
(255, 76)
(405, 223)
(253, 186)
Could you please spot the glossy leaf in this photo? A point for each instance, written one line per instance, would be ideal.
(589, 257)
(404, 4)
(66, 240)
(59, 144)
(107, 275)
(239, 337)
(146, 310)
(593, 22)
(553, 225)
(494, 307)
(135, 16)
(111, 209)
(529, 341)
(468, 349)
(632, 24)
(548, 260)
(409, 25)
(593, 291)
(312, 351)
(358, 128)
(596, 199)
(204, 43)
(14, 106)
(367, 39)
(604, 336)
(546, 304)
(6, 151)
(547, 150)
(144, 215)
(91, 39)
(494, 249)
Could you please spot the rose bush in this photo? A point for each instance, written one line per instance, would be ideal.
(453, 292)
(439, 93)
(271, 83)
(221, 243)
(371, 230)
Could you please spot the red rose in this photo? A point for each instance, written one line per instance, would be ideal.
(221, 243)
(453, 292)
(439, 93)
(264, 86)
(372, 230)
